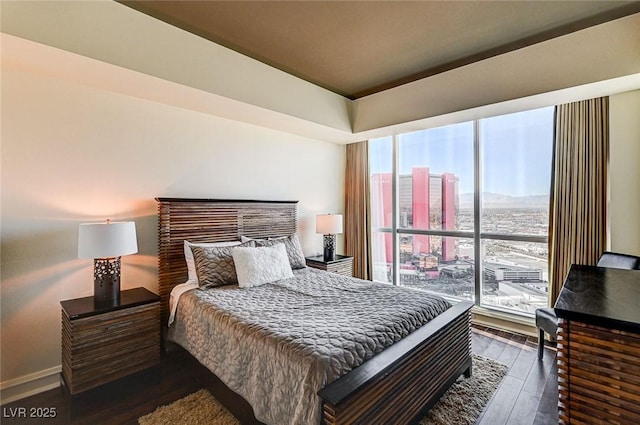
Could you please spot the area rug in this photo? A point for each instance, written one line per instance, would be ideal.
(461, 405)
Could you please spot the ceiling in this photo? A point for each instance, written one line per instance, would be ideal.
(357, 48)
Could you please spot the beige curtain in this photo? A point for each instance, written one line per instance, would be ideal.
(356, 221)
(577, 233)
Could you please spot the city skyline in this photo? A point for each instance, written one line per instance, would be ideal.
(426, 201)
(436, 191)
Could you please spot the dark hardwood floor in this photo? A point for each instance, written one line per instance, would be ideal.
(527, 395)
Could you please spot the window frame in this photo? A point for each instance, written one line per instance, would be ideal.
(476, 235)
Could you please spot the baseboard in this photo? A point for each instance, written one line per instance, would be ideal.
(27, 385)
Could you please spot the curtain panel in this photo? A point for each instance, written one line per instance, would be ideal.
(578, 204)
(356, 211)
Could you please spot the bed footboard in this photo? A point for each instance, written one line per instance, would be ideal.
(403, 382)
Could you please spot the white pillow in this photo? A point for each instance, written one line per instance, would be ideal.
(257, 266)
(188, 255)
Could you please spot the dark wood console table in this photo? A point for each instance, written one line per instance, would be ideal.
(599, 346)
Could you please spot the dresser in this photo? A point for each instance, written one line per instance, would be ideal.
(102, 342)
(599, 346)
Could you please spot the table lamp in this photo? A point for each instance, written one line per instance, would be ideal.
(329, 225)
(106, 243)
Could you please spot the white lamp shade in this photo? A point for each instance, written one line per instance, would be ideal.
(329, 224)
(107, 240)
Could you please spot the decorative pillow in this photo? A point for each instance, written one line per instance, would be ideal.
(214, 265)
(257, 266)
(293, 247)
(188, 255)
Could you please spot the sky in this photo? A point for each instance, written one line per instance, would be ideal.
(516, 152)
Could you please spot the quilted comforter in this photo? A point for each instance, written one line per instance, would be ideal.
(279, 343)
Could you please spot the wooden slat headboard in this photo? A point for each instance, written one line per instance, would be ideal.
(212, 220)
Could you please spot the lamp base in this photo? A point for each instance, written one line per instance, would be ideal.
(329, 247)
(106, 280)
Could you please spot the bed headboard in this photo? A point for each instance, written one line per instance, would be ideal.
(212, 220)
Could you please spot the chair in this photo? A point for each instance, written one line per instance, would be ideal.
(616, 260)
(546, 319)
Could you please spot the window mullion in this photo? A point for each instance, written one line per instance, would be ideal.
(476, 212)
(515, 237)
(395, 181)
(433, 232)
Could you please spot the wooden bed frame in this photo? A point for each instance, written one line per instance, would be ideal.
(396, 386)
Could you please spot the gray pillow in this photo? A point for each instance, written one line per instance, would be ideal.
(214, 264)
(293, 247)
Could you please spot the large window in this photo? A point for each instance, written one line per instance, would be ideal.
(444, 200)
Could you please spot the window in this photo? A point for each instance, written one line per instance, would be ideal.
(444, 199)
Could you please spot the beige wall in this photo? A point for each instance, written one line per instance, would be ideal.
(238, 87)
(624, 173)
(73, 153)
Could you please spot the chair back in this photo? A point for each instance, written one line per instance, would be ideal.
(616, 260)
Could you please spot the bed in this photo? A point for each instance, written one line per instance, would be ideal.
(397, 384)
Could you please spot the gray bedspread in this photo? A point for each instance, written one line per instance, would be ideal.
(278, 344)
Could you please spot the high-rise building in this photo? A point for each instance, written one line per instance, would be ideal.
(426, 201)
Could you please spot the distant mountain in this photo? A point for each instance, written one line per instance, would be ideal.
(496, 200)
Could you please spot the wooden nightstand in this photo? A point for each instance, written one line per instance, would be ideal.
(103, 342)
(342, 264)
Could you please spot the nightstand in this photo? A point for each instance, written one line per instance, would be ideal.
(102, 342)
(342, 264)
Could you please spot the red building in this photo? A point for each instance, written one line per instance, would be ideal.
(426, 201)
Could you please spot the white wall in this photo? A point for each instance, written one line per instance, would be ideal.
(73, 153)
(624, 173)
